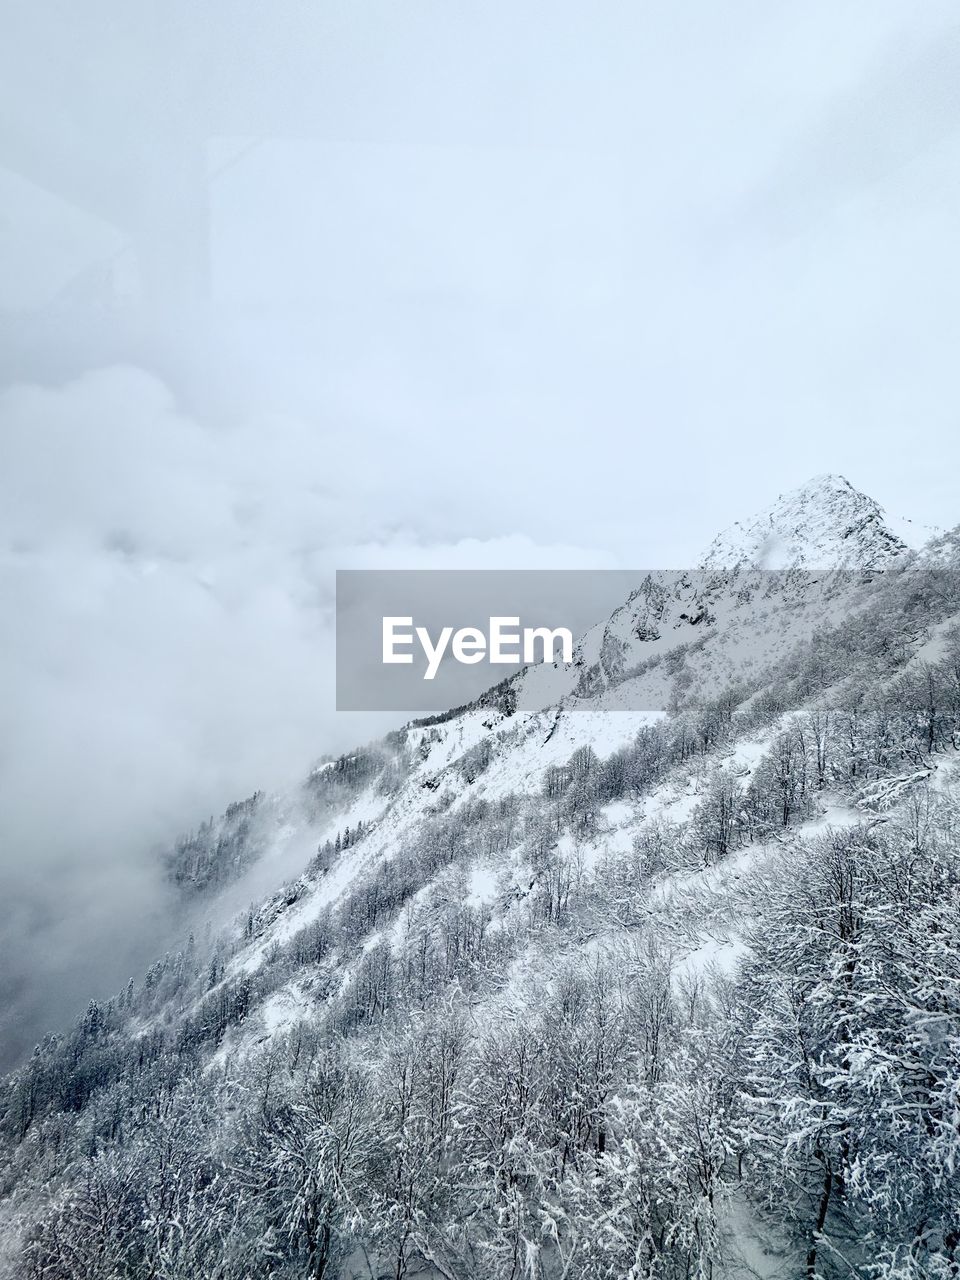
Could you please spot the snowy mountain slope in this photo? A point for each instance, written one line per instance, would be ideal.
(799, 561)
(743, 620)
(749, 619)
(724, 622)
(536, 961)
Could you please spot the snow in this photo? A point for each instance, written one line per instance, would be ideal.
(746, 755)
(282, 1010)
(545, 740)
(825, 522)
(935, 647)
(675, 804)
(618, 812)
(835, 815)
(700, 909)
(482, 884)
(755, 1248)
(945, 771)
(714, 955)
(913, 532)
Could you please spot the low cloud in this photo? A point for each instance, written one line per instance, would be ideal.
(166, 646)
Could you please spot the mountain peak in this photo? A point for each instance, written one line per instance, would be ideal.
(825, 482)
(824, 524)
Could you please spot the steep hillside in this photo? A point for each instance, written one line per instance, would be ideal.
(657, 979)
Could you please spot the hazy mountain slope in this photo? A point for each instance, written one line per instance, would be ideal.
(612, 987)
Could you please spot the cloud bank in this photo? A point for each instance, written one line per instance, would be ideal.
(166, 646)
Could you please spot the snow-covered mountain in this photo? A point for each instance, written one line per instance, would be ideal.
(607, 974)
(825, 524)
(800, 557)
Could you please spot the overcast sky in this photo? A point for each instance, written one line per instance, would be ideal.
(503, 284)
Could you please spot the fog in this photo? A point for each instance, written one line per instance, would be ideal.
(318, 286)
